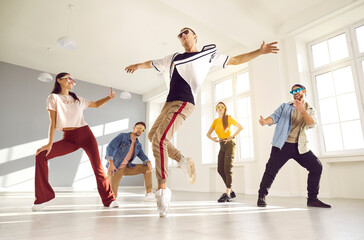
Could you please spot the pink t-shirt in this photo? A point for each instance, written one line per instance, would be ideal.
(130, 154)
(69, 111)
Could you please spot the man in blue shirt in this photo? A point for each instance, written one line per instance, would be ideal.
(290, 141)
(121, 153)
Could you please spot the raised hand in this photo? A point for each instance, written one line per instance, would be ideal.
(261, 121)
(269, 48)
(112, 93)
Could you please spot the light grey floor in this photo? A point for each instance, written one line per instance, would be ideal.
(80, 215)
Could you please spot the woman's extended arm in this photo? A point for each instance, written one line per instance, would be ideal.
(102, 101)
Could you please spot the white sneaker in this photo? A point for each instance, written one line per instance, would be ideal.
(188, 166)
(163, 197)
(38, 207)
(150, 197)
(114, 204)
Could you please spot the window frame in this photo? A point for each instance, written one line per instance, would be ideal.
(355, 43)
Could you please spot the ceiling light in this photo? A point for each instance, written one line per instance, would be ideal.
(45, 77)
(125, 95)
(65, 41)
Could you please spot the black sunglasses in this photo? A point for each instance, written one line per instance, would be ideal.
(185, 32)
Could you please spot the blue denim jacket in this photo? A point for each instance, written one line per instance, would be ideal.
(282, 116)
(119, 147)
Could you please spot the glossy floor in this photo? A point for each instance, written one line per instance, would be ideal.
(80, 215)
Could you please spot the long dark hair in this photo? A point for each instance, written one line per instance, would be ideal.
(225, 117)
(57, 87)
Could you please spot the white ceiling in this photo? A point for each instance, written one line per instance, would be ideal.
(113, 34)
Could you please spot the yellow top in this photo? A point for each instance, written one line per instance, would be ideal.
(219, 128)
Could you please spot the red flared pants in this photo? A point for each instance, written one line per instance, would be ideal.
(72, 140)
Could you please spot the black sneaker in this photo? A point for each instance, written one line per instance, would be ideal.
(224, 198)
(261, 202)
(232, 194)
(317, 203)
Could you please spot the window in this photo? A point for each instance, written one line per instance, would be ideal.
(338, 94)
(224, 89)
(330, 51)
(235, 92)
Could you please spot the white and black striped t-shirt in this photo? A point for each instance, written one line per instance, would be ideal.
(184, 73)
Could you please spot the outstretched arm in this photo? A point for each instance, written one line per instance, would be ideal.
(134, 67)
(264, 49)
(102, 101)
(266, 121)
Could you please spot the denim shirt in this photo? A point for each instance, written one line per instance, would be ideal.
(119, 147)
(282, 116)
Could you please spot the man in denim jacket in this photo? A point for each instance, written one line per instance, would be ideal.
(121, 153)
(290, 141)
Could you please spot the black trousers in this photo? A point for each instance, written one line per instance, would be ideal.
(279, 157)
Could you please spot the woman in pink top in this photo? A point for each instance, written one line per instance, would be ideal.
(66, 114)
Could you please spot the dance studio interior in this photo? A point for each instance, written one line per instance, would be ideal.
(319, 57)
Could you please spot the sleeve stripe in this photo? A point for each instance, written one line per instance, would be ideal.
(227, 59)
(154, 66)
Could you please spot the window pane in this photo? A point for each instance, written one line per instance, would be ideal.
(348, 107)
(328, 111)
(224, 89)
(242, 83)
(243, 108)
(246, 124)
(332, 136)
(246, 147)
(338, 48)
(352, 135)
(320, 54)
(250, 127)
(360, 38)
(230, 108)
(325, 85)
(343, 80)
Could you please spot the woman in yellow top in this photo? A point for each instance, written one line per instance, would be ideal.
(221, 125)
